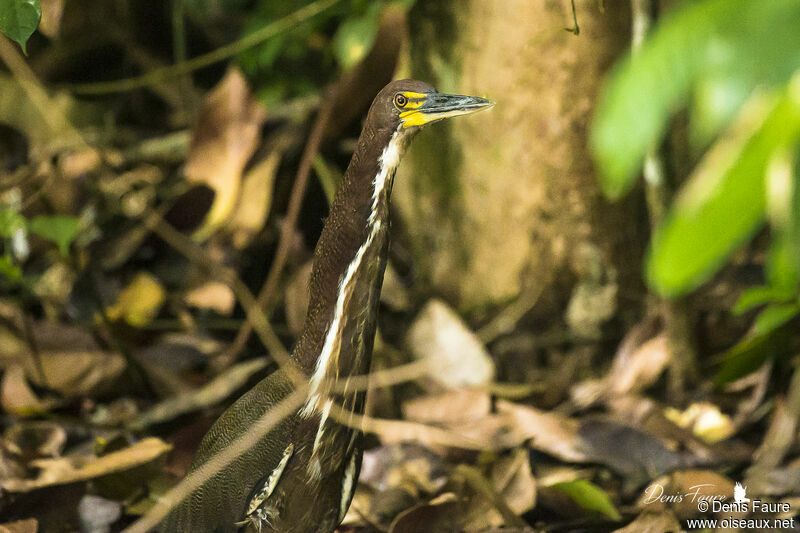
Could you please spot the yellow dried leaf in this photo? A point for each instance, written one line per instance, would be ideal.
(139, 302)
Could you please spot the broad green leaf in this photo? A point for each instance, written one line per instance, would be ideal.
(749, 354)
(355, 36)
(589, 496)
(724, 202)
(774, 316)
(715, 101)
(19, 19)
(58, 229)
(756, 43)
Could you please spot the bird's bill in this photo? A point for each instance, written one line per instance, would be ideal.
(433, 107)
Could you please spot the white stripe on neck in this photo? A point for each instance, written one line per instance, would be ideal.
(387, 164)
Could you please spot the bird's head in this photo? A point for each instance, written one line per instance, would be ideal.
(408, 105)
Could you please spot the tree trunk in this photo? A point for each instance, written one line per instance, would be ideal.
(507, 200)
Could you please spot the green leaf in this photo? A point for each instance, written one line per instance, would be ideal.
(355, 36)
(754, 42)
(756, 296)
(9, 269)
(724, 202)
(781, 269)
(19, 19)
(774, 316)
(589, 496)
(715, 101)
(58, 229)
(748, 355)
(10, 222)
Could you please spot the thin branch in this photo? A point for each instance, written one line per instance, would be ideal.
(575, 30)
(282, 25)
(36, 93)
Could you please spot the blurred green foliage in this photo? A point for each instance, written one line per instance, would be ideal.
(297, 63)
(735, 64)
(19, 19)
(14, 232)
(589, 496)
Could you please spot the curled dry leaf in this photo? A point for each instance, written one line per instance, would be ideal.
(457, 358)
(73, 469)
(223, 141)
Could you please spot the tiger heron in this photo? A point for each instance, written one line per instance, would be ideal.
(300, 477)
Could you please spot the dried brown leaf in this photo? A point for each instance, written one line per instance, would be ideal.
(72, 469)
(21, 526)
(16, 396)
(224, 139)
(456, 355)
(212, 295)
(547, 431)
(450, 407)
(513, 479)
(77, 373)
(641, 369)
(255, 201)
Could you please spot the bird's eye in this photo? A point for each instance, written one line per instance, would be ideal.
(400, 100)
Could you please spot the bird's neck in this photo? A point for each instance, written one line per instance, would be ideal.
(349, 262)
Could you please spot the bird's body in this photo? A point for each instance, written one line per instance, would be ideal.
(301, 476)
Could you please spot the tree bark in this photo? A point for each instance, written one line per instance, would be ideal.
(508, 199)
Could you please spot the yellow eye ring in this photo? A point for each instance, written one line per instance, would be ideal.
(400, 100)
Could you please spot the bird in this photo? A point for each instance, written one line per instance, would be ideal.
(300, 477)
